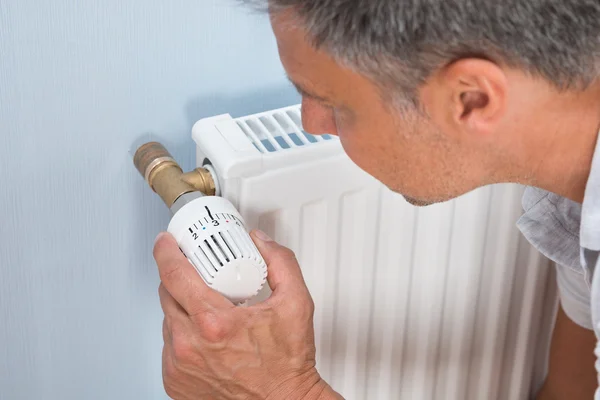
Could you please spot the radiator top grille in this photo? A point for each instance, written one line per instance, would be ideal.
(278, 130)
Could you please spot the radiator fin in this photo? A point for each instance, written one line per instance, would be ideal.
(278, 130)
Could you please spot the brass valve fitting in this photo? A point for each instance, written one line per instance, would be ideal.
(166, 177)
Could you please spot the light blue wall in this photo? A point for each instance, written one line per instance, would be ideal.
(79, 82)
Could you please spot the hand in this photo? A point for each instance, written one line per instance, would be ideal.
(214, 350)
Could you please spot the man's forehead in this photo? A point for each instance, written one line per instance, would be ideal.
(291, 38)
(305, 66)
(312, 70)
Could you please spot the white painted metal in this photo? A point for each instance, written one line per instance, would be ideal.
(444, 302)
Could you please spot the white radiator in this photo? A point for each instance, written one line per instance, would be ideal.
(444, 302)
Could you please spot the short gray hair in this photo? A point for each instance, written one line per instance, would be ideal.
(405, 41)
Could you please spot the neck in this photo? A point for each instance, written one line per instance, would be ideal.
(566, 136)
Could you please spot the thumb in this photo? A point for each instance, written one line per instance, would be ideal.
(284, 274)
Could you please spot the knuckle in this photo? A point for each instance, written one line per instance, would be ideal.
(301, 309)
(182, 350)
(177, 329)
(311, 306)
(307, 310)
(169, 372)
(182, 347)
(212, 328)
(285, 254)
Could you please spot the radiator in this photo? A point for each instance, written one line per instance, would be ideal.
(443, 302)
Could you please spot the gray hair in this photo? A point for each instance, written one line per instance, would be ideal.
(405, 41)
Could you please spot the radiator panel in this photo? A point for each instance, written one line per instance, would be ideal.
(443, 302)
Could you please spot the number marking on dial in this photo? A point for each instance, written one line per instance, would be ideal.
(221, 218)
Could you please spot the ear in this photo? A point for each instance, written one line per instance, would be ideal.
(467, 96)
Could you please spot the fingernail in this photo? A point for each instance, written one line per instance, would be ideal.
(262, 236)
(160, 236)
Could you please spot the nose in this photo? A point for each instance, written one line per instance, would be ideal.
(318, 119)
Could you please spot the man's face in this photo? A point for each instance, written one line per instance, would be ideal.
(406, 151)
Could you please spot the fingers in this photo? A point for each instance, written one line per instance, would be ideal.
(167, 338)
(168, 370)
(182, 281)
(290, 294)
(175, 315)
(168, 303)
(284, 274)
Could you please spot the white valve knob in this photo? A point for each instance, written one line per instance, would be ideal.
(212, 235)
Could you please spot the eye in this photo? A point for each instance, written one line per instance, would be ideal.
(324, 103)
(317, 102)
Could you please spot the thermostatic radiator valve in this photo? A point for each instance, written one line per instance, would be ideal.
(209, 230)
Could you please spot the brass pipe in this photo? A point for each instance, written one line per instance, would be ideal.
(166, 177)
(202, 179)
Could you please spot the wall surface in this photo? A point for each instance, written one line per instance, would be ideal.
(80, 81)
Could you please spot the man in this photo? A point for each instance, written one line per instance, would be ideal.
(459, 94)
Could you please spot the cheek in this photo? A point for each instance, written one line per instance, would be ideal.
(411, 157)
(401, 157)
(371, 146)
